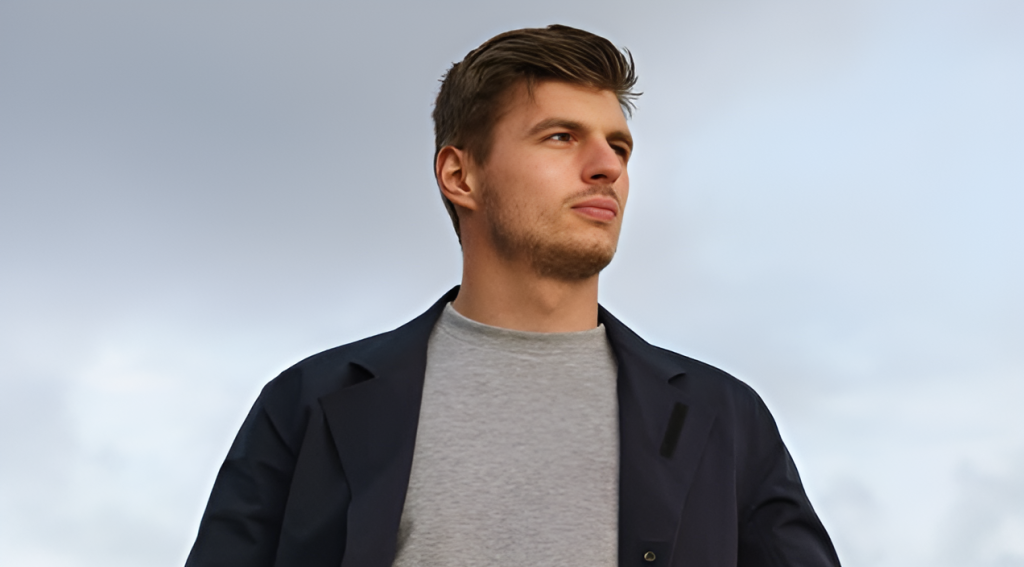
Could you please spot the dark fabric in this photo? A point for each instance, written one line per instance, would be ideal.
(318, 473)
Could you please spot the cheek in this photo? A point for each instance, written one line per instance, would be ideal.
(543, 174)
(623, 188)
(540, 185)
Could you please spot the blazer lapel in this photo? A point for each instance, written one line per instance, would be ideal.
(662, 432)
(373, 422)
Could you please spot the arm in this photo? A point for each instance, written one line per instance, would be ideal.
(242, 522)
(778, 526)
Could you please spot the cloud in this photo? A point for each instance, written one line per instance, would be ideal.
(986, 525)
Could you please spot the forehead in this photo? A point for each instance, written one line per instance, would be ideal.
(595, 108)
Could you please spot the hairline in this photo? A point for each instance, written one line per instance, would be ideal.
(504, 106)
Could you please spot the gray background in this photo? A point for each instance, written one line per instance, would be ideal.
(195, 195)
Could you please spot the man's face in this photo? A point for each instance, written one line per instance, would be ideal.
(555, 185)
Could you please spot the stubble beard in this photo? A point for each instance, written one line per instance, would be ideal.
(550, 248)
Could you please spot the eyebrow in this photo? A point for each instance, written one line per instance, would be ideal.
(563, 123)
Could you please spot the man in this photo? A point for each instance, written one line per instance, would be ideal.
(515, 422)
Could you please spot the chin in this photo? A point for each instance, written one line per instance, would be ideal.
(568, 253)
(571, 261)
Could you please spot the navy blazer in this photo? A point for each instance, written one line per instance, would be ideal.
(318, 473)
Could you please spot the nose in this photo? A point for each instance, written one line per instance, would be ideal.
(603, 163)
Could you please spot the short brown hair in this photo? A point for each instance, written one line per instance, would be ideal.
(473, 91)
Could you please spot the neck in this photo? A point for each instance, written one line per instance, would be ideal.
(511, 296)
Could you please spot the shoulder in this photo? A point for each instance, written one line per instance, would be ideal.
(289, 398)
(321, 373)
(742, 421)
(702, 382)
(739, 412)
(713, 383)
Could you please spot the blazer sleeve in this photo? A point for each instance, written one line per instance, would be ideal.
(242, 522)
(778, 526)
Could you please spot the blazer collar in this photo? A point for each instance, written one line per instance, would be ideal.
(373, 421)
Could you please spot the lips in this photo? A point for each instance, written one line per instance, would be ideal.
(598, 208)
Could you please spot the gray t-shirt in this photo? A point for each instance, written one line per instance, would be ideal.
(517, 450)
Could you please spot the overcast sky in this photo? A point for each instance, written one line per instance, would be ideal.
(826, 202)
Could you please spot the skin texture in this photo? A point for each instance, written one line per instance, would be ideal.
(542, 216)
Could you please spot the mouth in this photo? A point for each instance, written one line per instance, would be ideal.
(598, 208)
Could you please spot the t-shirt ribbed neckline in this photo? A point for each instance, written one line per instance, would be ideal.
(465, 329)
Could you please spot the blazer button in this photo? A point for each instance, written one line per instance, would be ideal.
(650, 556)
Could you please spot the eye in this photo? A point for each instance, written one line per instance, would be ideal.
(621, 150)
(561, 137)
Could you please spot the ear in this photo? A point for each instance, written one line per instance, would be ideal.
(456, 178)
